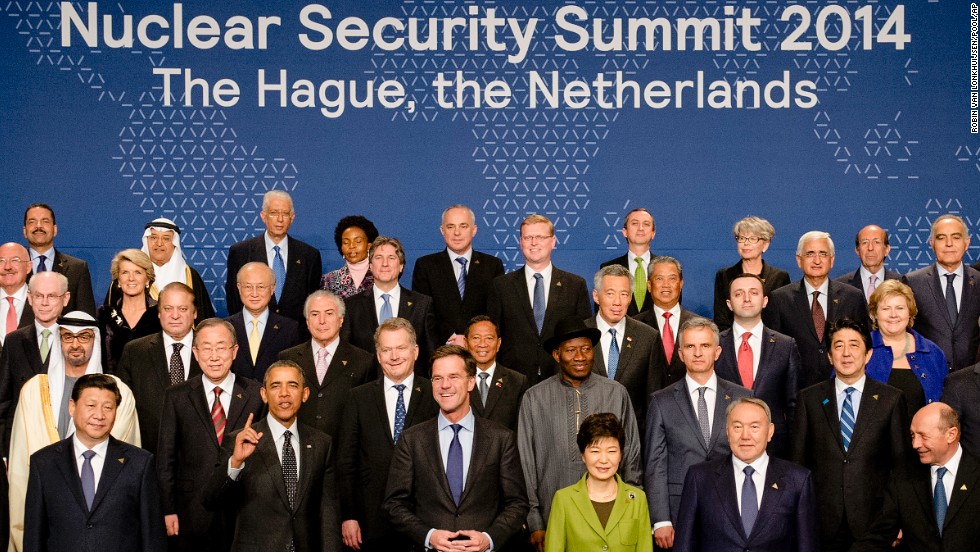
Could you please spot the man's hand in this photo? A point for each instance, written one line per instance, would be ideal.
(351, 532)
(439, 540)
(457, 339)
(173, 529)
(664, 537)
(245, 443)
(537, 540)
(477, 541)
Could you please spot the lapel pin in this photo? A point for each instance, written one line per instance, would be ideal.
(309, 446)
(408, 303)
(122, 460)
(299, 261)
(772, 340)
(239, 395)
(825, 401)
(963, 488)
(727, 398)
(275, 327)
(344, 362)
(476, 261)
(629, 338)
(631, 495)
(875, 397)
(418, 389)
(775, 486)
(836, 301)
(558, 284)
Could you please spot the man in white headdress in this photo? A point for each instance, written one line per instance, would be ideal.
(42, 416)
(161, 241)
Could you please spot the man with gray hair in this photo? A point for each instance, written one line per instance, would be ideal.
(297, 265)
(805, 309)
(15, 266)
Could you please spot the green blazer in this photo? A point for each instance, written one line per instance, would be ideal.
(574, 526)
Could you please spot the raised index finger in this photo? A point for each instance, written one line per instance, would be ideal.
(248, 422)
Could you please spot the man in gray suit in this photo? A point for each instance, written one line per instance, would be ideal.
(872, 247)
(686, 424)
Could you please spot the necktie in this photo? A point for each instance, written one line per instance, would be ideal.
(819, 320)
(454, 465)
(668, 337)
(321, 364)
(399, 411)
(872, 284)
(176, 365)
(745, 361)
(538, 306)
(11, 315)
(279, 269)
(461, 281)
(41, 267)
(385, 308)
(45, 344)
(484, 388)
(750, 501)
(88, 479)
(847, 418)
(290, 474)
(253, 340)
(703, 415)
(218, 416)
(939, 499)
(639, 284)
(950, 298)
(613, 363)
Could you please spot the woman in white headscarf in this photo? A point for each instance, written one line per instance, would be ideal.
(161, 241)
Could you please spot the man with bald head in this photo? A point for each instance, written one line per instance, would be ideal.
(872, 247)
(262, 334)
(15, 265)
(40, 229)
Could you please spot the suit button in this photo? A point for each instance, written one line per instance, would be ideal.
(604, 547)
(89, 526)
(319, 417)
(319, 395)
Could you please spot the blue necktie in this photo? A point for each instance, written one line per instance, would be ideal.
(939, 499)
(88, 479)
(750, 502)
(279, 269)
(613, 363)
(847, 418)
(399, 411)
(40, 265)
(461, 281)
(385, 308)
(538, 306)
(454, 465)
(951, 298)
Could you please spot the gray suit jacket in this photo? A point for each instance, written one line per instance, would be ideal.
(959, 339)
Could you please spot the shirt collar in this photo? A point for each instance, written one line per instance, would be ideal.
(544, 272)
(759, 464)
(38, 328)
(953, 464)
(604, 326)
(331, 347)
(20, 294)
(278, 429)
(823, 289)
(467, 422)
(395, 294)
(407, 382)
(711, 384)
(187, 341)
(48, 255)
(262, 318)
(943, 272)
(840, 386)
(468, 255)
(489, 370)
(227, 385)
(675, 312)
(100, 448)
(866, 274)
(269, 244)
(738, 330)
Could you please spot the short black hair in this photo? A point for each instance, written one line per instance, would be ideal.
(43, 206)
(356, 221)
(96, 381)
(598, 426)
(747, 275)
(849, 324)
(482, 318)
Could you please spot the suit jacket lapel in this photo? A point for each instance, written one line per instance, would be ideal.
(159, 366)
(236, 408)
(337, 367)
(69, 470)
(413, 403)
(869, 408)
(682, 395)
(308, 363)
(115, 461)
(833, 298)
(965, 483)
(580, 498)
(305, 453)
(731, 358)
(495, 389)
(937, 293)
(722, 399)
(446, 276)
(406, 307)
(768, 342)
(969, 293)
(772, 495)
(922, 488)
(435, 459)
(626, 351)
(724, 481)
(829, 405)
(200, 405)
(803, 306)
(271, 333)
(519, 281)
(556, 296)
(265, 453)
(477, 461)
(382, 414)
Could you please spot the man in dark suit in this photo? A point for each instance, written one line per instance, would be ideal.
(872, 247)
(667, 315)
(40, 229)
(91, 492)
(760, 359)
(962, 393)
(150, 365)
(389, 299)
(377, 414)
(934, 503)
(277, 476)
(193, 425)
(804, 310)
(629, 352)
(456, 480)
(15, 311)
(457, 279)
(639, 229)
(330, 366)
(262, 334)
(685, 425)
(947, 294)
(29, 349)
(748, 500)
(297, 265)
(499, 390)
(527, 303)
(851, 432)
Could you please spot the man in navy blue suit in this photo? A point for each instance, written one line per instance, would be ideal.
(90, 491)
(772, 507)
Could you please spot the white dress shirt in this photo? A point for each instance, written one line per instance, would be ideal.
(866, 279)
(709, 396)
(185, 351)
(606, 339)
(822, 298)
(468, 255)
(957, 283)
(227, 386)
(270, 253)
(98, 461)
(755, 343)
(36, 259)
(391, 397)
(675, 320)
(760, 465)
(949, 478)
(395, 296)
(855, 396)
(545, 280)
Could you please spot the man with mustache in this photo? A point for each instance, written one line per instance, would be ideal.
(40, 229)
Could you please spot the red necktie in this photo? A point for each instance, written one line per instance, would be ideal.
(11, 316)
(745, 361)
(668, 335)
(218, 415)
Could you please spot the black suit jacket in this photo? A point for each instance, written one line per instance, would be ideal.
(361, 321)
(280, 334)
(710, 520)
(908, 506)
(365, 451)
(642, 365)
(504, 394)
(494, 498)
(959, 340)
(348, 368)
(788, 312)
(433, 276)
(854, 279)
(20, 360)
(145, 368)
(187, 450)
(79, 282)
(850, 484)
(776, 380)
(303, 271)
(510, 308)
(962, 393)
(675, 368)
(125, 514)
(772, 279)
(632, 310)
(264, 520)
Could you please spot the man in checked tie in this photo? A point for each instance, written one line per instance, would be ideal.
(934, 503)
(277, 476)
(851, 432)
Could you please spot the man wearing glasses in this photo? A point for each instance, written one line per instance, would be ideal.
(15, 265)
(805, 309)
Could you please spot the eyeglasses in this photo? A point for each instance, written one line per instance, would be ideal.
(249, 288)
(748, 239)
(46, 298)
(814, 254)
(14, 260)
(83, 338)
(279, 214)
(532, 239)
(207, 352)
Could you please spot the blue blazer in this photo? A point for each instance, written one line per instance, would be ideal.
(927, 360)
(574, 525)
